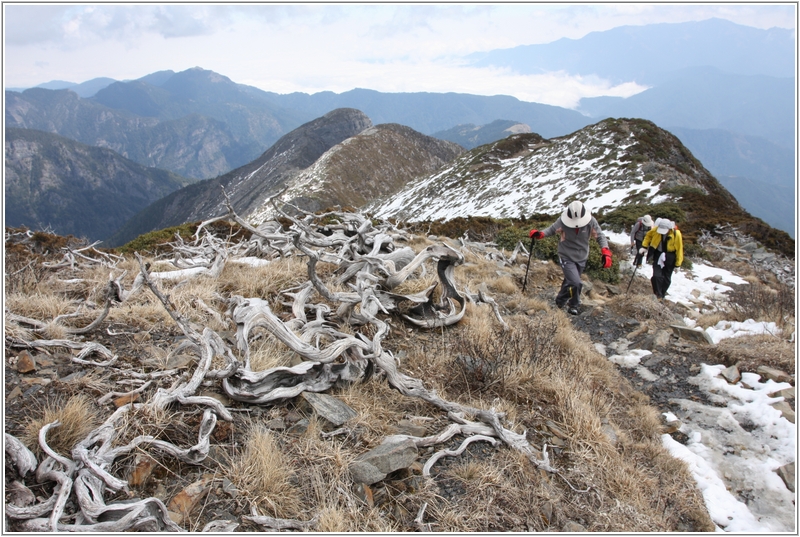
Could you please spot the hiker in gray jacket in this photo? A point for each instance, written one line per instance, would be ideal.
(575, 227)
(638, 231)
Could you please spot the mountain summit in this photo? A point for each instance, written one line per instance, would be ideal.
(611, 163)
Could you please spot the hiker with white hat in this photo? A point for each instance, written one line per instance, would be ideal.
(638, 231)
(575, 227)
(664, 248)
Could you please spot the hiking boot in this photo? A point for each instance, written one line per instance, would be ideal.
(560, 305)
(573, 310)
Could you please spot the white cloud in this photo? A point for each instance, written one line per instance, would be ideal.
(316, 47)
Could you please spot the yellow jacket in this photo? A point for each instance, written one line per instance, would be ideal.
(674, 243)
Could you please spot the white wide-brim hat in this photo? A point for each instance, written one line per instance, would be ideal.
(647, 220)
(576, 215)
(664, 226)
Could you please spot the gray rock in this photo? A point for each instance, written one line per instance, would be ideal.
(659, 339)
(547, 512)
(773, 374)
(786, 472)
(276, 424)
(229, 488)
(610, 433)
(330, 408)
(731, 374)
(392, 454)
(653, 359)
(613, 289)
(410, 428)
(364, 472)
(298, 428)
(787, 393)
(785, 410)
(692, 334)
(573, 527)
(180, 361)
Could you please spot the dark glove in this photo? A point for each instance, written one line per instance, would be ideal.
(606, 257)
(535, 234)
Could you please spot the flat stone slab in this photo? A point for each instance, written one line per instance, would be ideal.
(330, 408)
(692, 334)
(773, 374)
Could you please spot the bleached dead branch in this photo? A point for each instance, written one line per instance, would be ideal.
(372, 267)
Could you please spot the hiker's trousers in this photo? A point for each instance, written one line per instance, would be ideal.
(662, 276)
(571, 286)
(637, 261)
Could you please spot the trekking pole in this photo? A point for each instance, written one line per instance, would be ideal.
(530, 254)
(632, 275)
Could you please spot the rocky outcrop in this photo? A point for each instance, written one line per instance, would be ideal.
(781, 266)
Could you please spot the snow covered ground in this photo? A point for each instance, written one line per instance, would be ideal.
(735, 447)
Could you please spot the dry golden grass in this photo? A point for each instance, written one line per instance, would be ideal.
(265, 476)
(539, 370)
(415, 284)
(543, 363)
(267, 352)
(264, 281)
(78, 417)
(749, 352)
(143, 311)
(503, 284)
(707, 320)
(14, 330)
(40, 306)
(641, 308)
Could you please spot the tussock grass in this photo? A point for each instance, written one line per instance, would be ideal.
(267, 352)
(40, 306)
(760, 302)
(77, 415)
(416, 284)
(14, 330)
(640, 308)
(711, 319)
(265, 475)
(503, 284)
(143, 311)
(264, 281)
(752, 351)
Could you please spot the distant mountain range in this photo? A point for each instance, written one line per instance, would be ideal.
(648, 53)
(337, 159)
(718, 84)
(55, 183)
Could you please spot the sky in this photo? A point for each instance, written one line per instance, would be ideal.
(310, 48)
(727, 460)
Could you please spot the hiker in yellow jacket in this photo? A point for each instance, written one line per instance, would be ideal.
(664, 248)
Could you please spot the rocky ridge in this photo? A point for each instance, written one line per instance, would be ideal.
(611, 163)
(374, 163)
